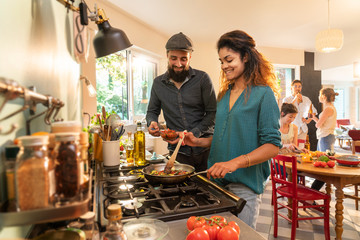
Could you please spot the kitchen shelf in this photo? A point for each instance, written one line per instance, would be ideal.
(53, 214)
(36, 216)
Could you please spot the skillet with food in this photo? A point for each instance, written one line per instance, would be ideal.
(154, 173)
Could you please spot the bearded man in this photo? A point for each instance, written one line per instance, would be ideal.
(187, 98)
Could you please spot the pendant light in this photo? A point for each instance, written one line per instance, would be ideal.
(329, 40)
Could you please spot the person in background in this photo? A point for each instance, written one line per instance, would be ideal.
(289, 131)
(325, 125)
(188, 101)
(302, 103)
(246, 132)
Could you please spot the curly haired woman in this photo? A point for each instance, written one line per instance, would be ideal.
(247, 122)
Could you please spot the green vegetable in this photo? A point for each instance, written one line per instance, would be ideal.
(324, 158)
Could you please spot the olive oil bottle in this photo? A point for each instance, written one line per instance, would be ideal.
(139, 145)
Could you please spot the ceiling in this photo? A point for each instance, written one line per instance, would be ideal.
(272, 23)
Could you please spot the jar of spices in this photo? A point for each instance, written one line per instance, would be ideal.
(68, 166)
(34, 174)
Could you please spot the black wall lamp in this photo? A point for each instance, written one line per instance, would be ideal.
(107, 40)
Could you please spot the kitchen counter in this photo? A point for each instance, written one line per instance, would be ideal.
(178, 229)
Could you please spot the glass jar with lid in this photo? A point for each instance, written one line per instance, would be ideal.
(68, 166)
(34, 174)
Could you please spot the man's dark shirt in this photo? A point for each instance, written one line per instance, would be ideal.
(191, 108)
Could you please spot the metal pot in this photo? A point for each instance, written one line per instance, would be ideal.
(169, 179)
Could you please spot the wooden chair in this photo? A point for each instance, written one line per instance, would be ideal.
(355, 147)
(282, 188)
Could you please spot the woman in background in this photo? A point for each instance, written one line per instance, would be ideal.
(289, 131)
(325, 124)
(246, 132)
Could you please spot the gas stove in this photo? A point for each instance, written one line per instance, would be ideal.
(127, 186)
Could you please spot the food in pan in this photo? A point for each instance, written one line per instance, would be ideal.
(172, 173)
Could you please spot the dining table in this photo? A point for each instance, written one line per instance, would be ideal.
(339, 176)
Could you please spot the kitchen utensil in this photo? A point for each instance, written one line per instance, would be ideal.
(171, 161)
(113, 120)
(166, 179)
(103, 114)
(348, 160)
(146, 228)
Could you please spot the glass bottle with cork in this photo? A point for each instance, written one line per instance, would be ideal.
(139, 145)
(130, 150)
(114, 229)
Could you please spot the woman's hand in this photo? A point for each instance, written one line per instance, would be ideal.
(220, 169)
(290, 146)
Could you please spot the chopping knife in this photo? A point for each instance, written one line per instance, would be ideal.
(171, 161)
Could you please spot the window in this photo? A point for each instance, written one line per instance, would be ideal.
(285, 75)
(340, 103)
(123, 83)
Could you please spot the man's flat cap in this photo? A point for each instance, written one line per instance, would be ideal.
(179, 41)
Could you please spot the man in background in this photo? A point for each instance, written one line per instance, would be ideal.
(303, 104)
(187, 98)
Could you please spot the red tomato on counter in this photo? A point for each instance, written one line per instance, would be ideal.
(213, 230)
(235, 226)
(198, 234)
(227, 233)
(331, 164)
(219, 219)
(195, 222)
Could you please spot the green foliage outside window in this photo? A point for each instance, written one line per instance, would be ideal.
(111, 84)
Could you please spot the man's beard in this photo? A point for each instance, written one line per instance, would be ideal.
(178, 76)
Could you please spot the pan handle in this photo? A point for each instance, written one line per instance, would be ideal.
(202, 172)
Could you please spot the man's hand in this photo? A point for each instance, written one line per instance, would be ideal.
(154, 129)
(299, 97)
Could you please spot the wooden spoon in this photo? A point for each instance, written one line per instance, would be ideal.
(171, 161)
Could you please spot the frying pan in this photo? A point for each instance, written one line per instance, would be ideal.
(348, 160)
(169, 179)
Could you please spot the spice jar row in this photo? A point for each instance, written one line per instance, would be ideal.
(48, 174)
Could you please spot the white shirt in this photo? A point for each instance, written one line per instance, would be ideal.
(328, 126)
(303, 110)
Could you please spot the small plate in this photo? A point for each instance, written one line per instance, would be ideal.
(159, 159)
(146, 228)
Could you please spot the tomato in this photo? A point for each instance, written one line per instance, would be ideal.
(212, 230)
(227, 233)
(331, 164)
(190, 222)
(235, 226)
(195, 222)
(323, 164)
(317, 163)
(198, 234)
(219, 219)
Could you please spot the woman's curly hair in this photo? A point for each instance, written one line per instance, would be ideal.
(258, 71)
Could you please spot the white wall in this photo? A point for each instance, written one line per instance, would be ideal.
(36, 49)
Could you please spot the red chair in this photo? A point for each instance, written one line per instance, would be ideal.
(282, 188)
(355, 135)
(342, 122)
